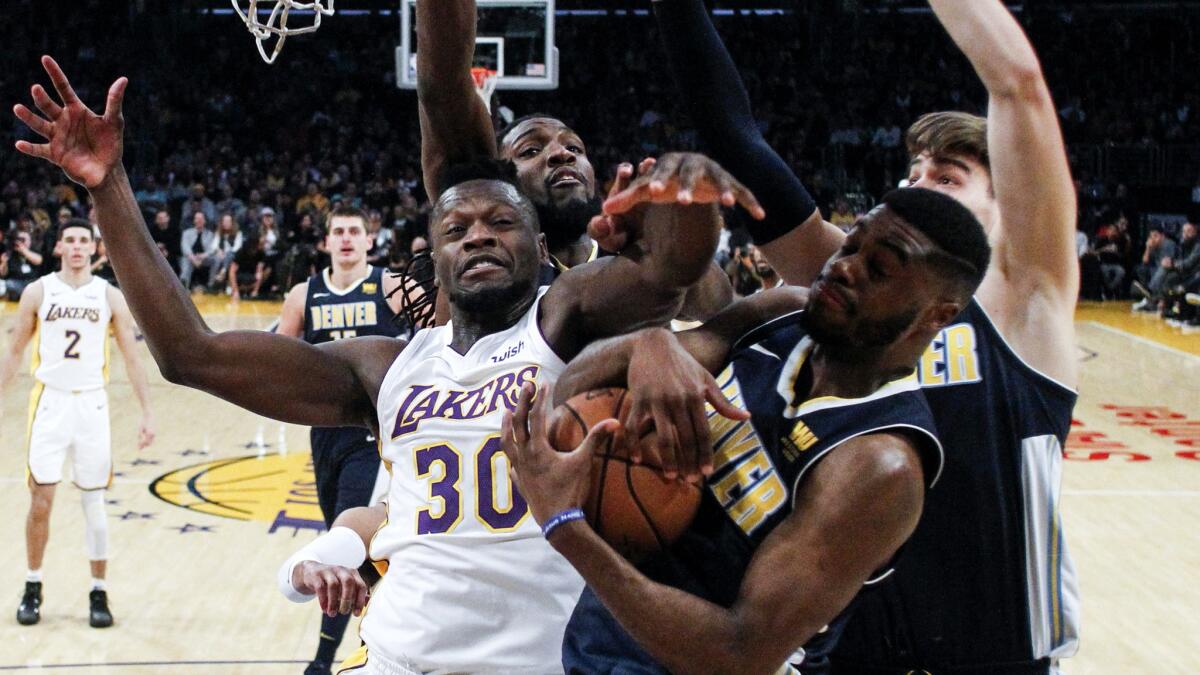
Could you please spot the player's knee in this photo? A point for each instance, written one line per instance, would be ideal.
(95, 524)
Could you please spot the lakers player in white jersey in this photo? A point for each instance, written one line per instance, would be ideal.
(472, 586)
(68, 315)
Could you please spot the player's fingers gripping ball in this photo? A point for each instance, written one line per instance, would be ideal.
(634, 507)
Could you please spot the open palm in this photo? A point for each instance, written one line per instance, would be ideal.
(86, 146)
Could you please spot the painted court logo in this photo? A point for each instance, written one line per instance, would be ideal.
(277, 489)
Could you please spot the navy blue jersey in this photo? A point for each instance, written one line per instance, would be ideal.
(759, 466)
(334, 314)
(986, 579)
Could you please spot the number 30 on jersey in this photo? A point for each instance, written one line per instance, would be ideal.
(498, 505)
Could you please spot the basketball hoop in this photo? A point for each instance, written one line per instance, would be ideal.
(485, 84)
(277, 22)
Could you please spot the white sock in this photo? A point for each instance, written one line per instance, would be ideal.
(98, 584)
(33, 575)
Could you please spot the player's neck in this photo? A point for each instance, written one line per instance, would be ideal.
(575, 253)
(75, 278)
(469, 327)
(344, 277)
(852, 373)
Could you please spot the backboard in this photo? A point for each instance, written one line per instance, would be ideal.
(513, 37)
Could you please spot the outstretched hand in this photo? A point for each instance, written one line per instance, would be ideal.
(684, 178)
(86, 146)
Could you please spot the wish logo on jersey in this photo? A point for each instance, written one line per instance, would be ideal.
(57, 312)
(951, 358)
(426, 401)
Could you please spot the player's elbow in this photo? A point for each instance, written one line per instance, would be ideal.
(1021, 82)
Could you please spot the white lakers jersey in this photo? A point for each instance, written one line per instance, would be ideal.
(71, 344)
(471, 584)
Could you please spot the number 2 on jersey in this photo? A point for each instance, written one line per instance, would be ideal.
(498, 505)
(70, 352)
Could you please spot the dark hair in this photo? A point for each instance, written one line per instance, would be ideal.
(952, 227)
(75, 222)
(485, 169)
(479, 168)
(507, 128)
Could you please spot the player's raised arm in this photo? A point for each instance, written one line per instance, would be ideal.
(793, 236)
(232, 365)
(455, 124)
(1035, 244)
(851, 515)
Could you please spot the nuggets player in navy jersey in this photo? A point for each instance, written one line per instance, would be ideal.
(69, 315)
(806, 500)
(986, 583)
(345, 300)
(471, 586)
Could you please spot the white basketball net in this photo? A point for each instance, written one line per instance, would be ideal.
(277, 23)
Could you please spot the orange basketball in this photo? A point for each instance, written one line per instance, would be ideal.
(631, 506)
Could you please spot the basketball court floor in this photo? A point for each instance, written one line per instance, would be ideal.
(200, 521)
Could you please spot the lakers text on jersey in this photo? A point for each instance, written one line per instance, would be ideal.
(471, 584)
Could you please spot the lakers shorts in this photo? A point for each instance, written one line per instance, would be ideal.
(66, 424)
(363, 663)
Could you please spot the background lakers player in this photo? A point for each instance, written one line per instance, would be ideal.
(70, 313)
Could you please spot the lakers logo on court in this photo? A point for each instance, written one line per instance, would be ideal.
(277, 489)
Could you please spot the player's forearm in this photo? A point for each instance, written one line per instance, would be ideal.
(173, 328)
(994, 43)
(684, 633)
(711, 89)
(455, 124)
(604, 363)
(681, 242)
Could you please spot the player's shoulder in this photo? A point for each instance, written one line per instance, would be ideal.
(34, 292)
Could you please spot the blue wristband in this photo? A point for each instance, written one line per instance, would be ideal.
(561, 518)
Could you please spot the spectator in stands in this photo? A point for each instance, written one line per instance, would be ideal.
(249, 270)
(1182, 271)
(226, 244)
(167, 235)
(198, 202)
(313, 201)
(1152, 273)
(1112, 249)
(150, 194)
(195, 245)
(101, 266)
(19, 266)
(843, 217)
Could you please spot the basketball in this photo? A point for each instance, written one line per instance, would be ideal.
(632, 506)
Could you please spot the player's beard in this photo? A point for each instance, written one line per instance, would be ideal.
(493, 299)
(564, 224)
(866, 335)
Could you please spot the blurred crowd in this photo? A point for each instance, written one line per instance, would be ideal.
(236, 163)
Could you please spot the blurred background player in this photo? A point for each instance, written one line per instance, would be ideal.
(70, 313)
(345, 300)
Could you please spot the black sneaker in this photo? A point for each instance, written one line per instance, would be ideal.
(99, 617)
(319, 667)
(29, 611)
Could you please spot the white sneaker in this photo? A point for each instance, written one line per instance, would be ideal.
(1192, 298)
